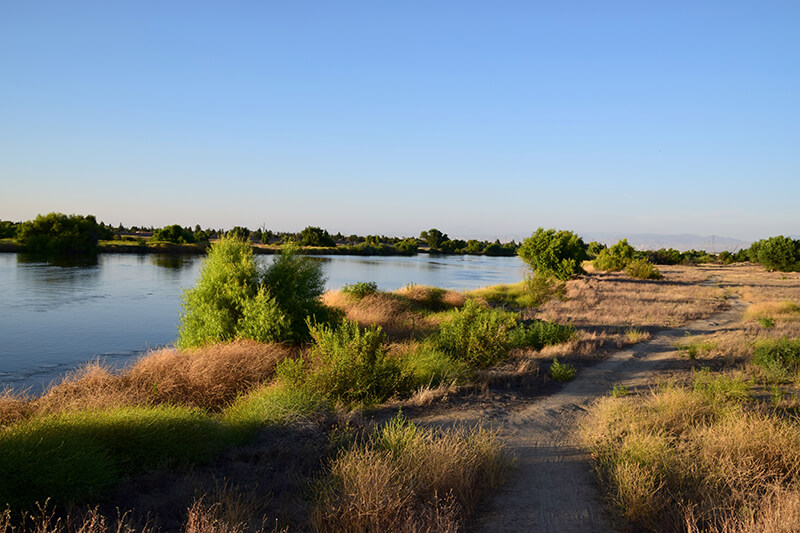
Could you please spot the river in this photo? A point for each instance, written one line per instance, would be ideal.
(55, 317)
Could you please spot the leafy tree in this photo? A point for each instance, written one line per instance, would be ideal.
(314, 236)
(777, 253)
(239, 232)
(234, 298)
(8, 229)
(554, 253)
(594, 248)
(434, 238)
(174, 233)
(57, 233)
(616, 257)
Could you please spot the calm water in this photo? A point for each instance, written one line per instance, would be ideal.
(54, 317)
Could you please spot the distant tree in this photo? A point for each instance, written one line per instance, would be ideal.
(8, 229)
(174, 233)
(777, 253)
(554, 253)
(314, 236)
(239, 232)
(433, 238)
(57, 233)
(593, 249)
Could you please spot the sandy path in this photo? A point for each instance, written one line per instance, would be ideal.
(552, 488)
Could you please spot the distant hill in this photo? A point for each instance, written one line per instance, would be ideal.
(682, 242)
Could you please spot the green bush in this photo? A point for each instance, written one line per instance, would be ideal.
(233, 298)
(615, 258)
(562, 371)
(540, 289)
(428, 366)
(778, 358)
(540, 333)
(56, 233)
(297, 283)
(478, 335)
(347, 364)
(554, 253)
(642, 269)
(360, 289)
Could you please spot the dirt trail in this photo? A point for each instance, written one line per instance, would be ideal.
(552, 488)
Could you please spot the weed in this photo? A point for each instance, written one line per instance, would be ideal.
(476, 334)
(777, 358)
(562, 371)
(767, 322)
(619, 390)
(634, 335)
(360, 289)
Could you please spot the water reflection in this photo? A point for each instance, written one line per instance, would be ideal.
(172, 262)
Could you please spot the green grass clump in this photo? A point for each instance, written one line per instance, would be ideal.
(562, 371)
(78, 455)
(721, 388)
(425, 365)
(541, 333)
(346, 364)
(276, 403)
(360, 289)
(477, 335)
(778, 358)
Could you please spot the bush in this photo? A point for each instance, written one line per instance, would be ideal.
(615, 258)
(554, 253)
(297, 283)
(562, 371)
(233, 299)
(642, 269)
(778, 358)
(478, 335)
(347, 364)
(426, 365)
(540, 333)
(360, 289)
(56, 233)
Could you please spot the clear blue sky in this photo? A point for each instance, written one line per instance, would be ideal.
(478, 118)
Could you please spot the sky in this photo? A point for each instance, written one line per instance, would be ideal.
(482, 119)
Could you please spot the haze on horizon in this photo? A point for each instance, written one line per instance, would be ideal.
(362, 117)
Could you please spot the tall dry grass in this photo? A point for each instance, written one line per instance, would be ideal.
(210, 378)
(697, 457)
(409, 478)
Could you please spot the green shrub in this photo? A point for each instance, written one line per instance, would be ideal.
(360, 289)
(296, 283)
(541, 288)
(767, 322)
(642, 269)
(619, 390)
(478, 335)
(428, 366)
(562, 371)
(347, 364)
(615, 258)
(540, 333)
(234, 299)
(554, 253)
(778, 358)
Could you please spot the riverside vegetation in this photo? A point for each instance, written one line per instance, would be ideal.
(264, 353)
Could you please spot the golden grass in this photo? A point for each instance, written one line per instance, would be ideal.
(692, 459)
(408, 478)
(209, 377)
(781, 310)
(603, 300)
(402, 314)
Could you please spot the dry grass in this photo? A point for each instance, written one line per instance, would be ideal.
(615, 300)
(408, 478)
(701, 457)
(210, 378)
(405, 313)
